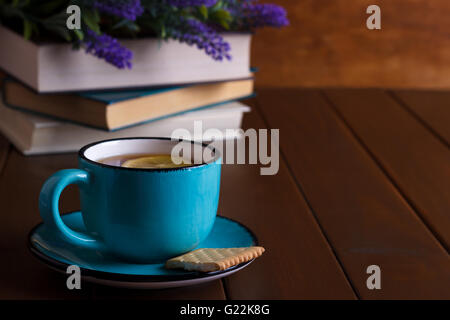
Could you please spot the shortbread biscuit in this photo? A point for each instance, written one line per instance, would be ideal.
(209, 259)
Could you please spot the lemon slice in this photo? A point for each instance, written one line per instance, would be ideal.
(153, 162)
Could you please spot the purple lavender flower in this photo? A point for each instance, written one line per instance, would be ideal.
(106, 47)
(204, 37)
(191, 3)
(261, 14)
(128, 9)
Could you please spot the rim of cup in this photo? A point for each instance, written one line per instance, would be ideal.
(83, 156)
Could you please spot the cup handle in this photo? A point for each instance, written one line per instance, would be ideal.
(48, 206)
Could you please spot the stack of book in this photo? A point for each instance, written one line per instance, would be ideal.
(40, 119)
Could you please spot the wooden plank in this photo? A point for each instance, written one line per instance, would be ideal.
(21, 275)
(298, 262)
(432, 108)
(206, 291)
(417, 162)
(364, 217)
(328, 44)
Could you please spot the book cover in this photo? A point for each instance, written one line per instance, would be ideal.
(33, 134)
(59, 68)
(121, 109)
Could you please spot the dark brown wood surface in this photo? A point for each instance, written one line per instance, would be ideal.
(298, 263)
(432, 108)
(417, 162)
(341, 201)
(366, 220)
(23, 276)
(328, 44)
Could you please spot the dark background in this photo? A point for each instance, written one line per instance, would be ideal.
(328, 44)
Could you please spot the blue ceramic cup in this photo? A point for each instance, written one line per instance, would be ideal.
(140, 215)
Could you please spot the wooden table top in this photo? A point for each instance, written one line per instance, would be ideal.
(364, 179)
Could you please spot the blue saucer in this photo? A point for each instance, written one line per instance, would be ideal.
(102, 267)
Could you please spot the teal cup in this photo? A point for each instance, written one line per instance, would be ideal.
(139, 215)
